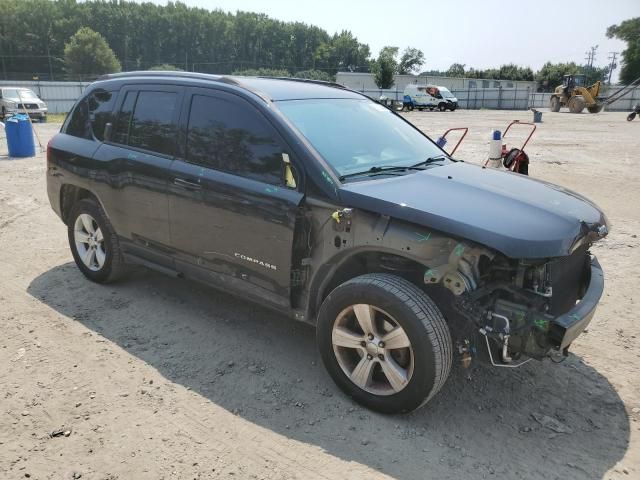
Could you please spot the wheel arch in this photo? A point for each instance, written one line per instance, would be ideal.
(71, 194)
(356, 262)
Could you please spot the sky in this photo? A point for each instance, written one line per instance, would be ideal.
(478, 33)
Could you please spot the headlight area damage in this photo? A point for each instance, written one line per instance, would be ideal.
(516, 310)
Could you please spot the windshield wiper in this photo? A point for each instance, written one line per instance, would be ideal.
(382, 169)
(430, 160)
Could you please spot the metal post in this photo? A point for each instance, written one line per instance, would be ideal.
(515, 96)
(500, 97)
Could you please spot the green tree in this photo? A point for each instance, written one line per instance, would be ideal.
(315, 75)
(628, 31)
(142, 35)
(166, 67)
(385, 67)
(456, 70)
(411, 60)
(550, 75)
(262, 72)
(88, 53)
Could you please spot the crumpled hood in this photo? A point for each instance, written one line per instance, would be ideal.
(514, 214)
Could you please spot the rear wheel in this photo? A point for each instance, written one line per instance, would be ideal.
(554, 104)
(94, 244)
(384, 342)
(576, 104)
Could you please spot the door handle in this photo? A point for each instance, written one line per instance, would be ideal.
(181, 182)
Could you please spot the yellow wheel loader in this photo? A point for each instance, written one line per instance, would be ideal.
(574, 94)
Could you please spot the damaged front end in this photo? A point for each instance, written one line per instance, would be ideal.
(518, 309)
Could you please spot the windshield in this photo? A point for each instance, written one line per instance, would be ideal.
(354, 135)
(446, 93)
(13, 93)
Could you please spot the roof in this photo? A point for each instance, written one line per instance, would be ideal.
(271, 88)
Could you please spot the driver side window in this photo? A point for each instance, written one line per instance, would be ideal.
(233, 136)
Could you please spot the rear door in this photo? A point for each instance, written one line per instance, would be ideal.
(138, 158)
(232, 218)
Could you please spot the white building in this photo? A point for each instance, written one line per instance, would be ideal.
(365, 81)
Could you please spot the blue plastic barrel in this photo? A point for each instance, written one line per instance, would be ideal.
(19, 136)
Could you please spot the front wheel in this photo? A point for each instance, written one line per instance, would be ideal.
(384, 342)
(94, 244)
(631, 116)
(554, 104)
(442, 107)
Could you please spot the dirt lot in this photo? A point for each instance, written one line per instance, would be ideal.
(156, 378)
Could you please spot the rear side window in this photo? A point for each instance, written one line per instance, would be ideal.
(232, 136)
(146, 120)
(121, 130)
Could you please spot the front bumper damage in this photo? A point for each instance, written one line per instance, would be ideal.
(518, 310)
(567, 327)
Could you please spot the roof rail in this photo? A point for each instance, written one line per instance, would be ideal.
(165, 73)
(307, 80)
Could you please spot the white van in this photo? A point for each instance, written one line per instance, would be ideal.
(428, 96)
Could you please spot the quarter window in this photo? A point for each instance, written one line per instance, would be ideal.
(78, 125)
(232, 136)
(100, 111)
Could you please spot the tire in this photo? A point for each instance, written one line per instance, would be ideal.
(88, 212)
(595, 108)
(419, 371)
(631, 116)
(442, 107)
(410, 107)
(576, 104)
(554, 104)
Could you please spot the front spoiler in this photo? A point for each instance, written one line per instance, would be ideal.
(567, 327)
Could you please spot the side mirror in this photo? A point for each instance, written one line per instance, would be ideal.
(108, 128)
(289, 179)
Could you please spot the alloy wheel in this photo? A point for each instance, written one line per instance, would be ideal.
(372, 349)
(89, 242)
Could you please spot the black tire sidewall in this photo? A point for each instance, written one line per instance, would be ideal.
(92, 208)
(442, 107)
(424, 375)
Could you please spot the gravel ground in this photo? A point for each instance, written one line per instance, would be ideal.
(157, 378)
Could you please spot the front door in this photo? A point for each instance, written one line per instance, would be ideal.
(232, 219)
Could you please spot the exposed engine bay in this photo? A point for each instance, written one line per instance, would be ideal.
(511, 304)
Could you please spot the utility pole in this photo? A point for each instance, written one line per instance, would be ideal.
(612, 64)
(591, 56)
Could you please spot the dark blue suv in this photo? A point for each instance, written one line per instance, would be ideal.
(314, 200)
